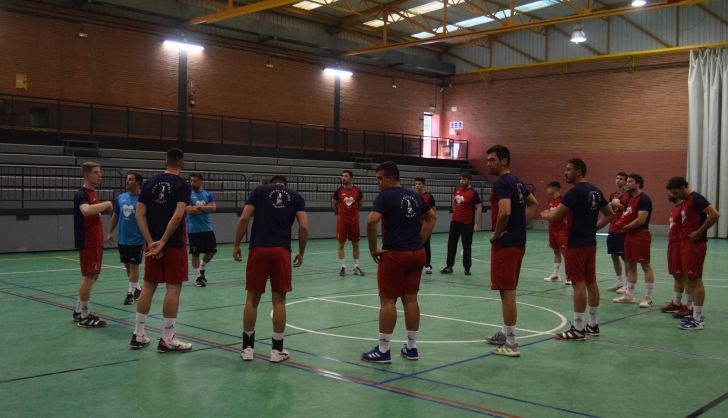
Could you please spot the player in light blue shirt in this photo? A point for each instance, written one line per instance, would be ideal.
(131, 241)
(199, 228)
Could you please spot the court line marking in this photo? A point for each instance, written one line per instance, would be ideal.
(536, 333)
(78, 369)
(37, 271)
(710, 405)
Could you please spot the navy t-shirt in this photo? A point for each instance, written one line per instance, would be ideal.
(161, 194)
(275, 211)
(584, 201)
(401, 210)
(509, 186)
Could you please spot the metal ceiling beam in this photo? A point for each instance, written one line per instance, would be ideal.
(713, 14)
(373, 10)
(231, 12)
(529, 25)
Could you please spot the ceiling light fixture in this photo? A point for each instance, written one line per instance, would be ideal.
(338, 72)
(183, 45)
(578, 35)
(638, 3)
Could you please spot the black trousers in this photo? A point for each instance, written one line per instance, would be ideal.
(428, 253)
(464, 232)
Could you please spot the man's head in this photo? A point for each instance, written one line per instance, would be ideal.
(387, 175)
(620, 180)
(175, 159)
(466, 180)
(678, 187)
(134, 182)
(635, 182)
(575, 170)
(498, 159)
(279, 179)
(91, 173)
(553, 189)
(196, 180)
(419, 184)
(347, 177)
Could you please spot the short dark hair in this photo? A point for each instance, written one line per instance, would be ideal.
(466, 175)
(420, 179)
(622, 174)
(677, 183)
(389, 169)
(638, 179)
(578, 164)
(137, 177)
(279, 178)
(554, 184)
(197, 175)
(501, 151)
(348, 171)
(175, 156)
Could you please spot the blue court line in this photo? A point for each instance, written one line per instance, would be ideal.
(661, 350)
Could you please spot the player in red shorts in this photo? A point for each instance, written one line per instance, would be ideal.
(557, 231)
(346, 202)
(160, 216)
(581, 206)
(674, 266)
(698, 215)
(89, 240)
(615, 240)
(513, 207)
(274, 207)
(400, 260)
(420, 188)
(635, 222)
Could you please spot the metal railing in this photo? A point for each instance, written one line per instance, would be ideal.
(25, 113)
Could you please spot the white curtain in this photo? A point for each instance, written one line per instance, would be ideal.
(708, 130)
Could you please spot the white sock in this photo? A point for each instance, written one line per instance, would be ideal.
(77, 309)
(412, 339)
(343, 262)
(139, 324)
(649, 287)
(690, 300)
(131, 287)
(356, 262)
(510, 334)
(630, 289)
(197, 272)
(678, 298)
(557, 267)
(384, 340)
(698, 313)
(137, 286)
(84, 308)
(579, 321)
(593, 316)
(168, 330)
(620, 280)
(204, 264)
(278, 336)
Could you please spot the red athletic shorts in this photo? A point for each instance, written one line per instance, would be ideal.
(264, 263)
(399, 273)
(637, 246)
(674, 262)
(90, 260)
(557, 240)
(505, 267)
(692, 255)
(581, 266)
(170, 268)
(348, 231)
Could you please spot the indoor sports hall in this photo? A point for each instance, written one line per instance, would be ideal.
(322, 92)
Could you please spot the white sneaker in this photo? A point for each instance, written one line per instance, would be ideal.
(567, 282)
(552, 278)
(278, 356)
(428, 270)
(646, 303)
(625, 298)
(622, 290)
(247, 354)
(615, 287)
(173, 345)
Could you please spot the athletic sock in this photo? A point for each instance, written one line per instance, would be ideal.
(649, 287)
(139, 324)
(84, 308)
(689, 302)
(137, 286)
(197, 272)
(356, 262)
(412, 339)
(168, 330)
(620, 280)
(557, 268)
(343, 262)
(677, 300)
(248, 339)
(593, 316)
(579, 321)
(277, 341)
(384, 340)
(77, 309)
(132, 286)
(698, 313)
(203, 265)
(630, 289)
(510, 334)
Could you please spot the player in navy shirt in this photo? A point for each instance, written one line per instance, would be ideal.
(160, 217)
(273, 207)
(513, 207)
(581, 206)
(400, 260)
(131, 241)
(430, 201)
(199, 228)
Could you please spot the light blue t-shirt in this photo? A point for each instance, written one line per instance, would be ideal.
(201, 222)
(125, 209)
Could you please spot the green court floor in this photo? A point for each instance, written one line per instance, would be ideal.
(641, 366)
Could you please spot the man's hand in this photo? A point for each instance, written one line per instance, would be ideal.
(155, 249)
(298, 260)
(237, 255)
(694, 236)
(495, 237)
(110, 238)
(377, 254)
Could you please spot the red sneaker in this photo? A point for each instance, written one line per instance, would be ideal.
(670, 307)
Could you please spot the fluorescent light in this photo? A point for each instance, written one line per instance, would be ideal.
(183, 45)
(638, 3)
(338, 72)
(578, 35)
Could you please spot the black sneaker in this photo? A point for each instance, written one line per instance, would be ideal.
(593, 331)
(202, 276)
(446, 270)
(76, 316)
(137, 294)
(138, 342)
(468, 273)
(342, 272)
(358, 272)
(129, 299)
(199, 282)
(91, 321)
(571, 335)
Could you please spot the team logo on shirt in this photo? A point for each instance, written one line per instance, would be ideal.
(348, 200)
(521, 193)
(281, 197)
(409, 203)
(161, 192)
(593, 201)
(672, 222)
(459, 198)
(127, 210)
